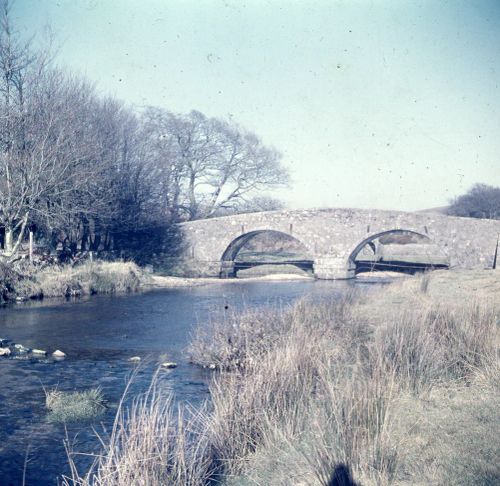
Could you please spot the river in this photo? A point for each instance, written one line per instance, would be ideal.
(99, 334)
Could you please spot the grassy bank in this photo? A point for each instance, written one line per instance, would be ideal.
(398, 387)
(68, 281)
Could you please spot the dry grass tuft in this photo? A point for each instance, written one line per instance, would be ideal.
(435, 344)
(151, 443)
(72, 406)
(68, 281)
(89, 278)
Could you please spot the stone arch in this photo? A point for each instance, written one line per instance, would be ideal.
(439, 258)
(231, 252)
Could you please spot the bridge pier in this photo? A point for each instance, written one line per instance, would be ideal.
(227, 269)
(332, 268)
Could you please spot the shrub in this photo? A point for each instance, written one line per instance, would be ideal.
(8, 281)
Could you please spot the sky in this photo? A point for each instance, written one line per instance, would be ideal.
(387, 104)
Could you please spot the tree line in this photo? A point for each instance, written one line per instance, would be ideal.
(90, 173)
(480, 201)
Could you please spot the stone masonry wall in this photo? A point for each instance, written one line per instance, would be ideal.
(331, 235)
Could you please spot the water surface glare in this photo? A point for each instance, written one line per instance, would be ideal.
(99, 334)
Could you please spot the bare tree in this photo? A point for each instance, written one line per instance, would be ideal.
(44, 141)
(210, 164)
(92, 174)
(256, 204)
(159, 151)
(481, 201)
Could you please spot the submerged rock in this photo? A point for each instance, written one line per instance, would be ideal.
(169, 365)
(5, 351)
(58, 354)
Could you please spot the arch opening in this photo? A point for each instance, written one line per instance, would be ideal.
(264, 252)
(398, 250)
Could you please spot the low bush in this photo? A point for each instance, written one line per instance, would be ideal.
(9, 279)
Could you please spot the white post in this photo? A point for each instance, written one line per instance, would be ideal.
(31, 246)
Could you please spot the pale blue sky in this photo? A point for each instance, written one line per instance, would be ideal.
(384, 104)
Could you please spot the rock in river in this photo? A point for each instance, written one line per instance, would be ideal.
(19, 348)
(169, 365)
(38, 352)
(4, 352)
(135, 359)
(58, 354)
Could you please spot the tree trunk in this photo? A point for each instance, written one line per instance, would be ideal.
(9, 239)
(96, 242)
(31, 246)
(12, 246)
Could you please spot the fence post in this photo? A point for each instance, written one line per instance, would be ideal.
(496, 254)
(31, 246)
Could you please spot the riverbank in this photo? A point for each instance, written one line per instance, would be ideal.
(398, 386)
(26, 282)
(87, 278)
(161, 281)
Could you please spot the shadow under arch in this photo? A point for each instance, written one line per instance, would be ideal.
(425, 254)
(230, 266)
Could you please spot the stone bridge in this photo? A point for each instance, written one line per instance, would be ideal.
(334, 237)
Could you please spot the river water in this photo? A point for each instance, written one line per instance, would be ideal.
(99, 334)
